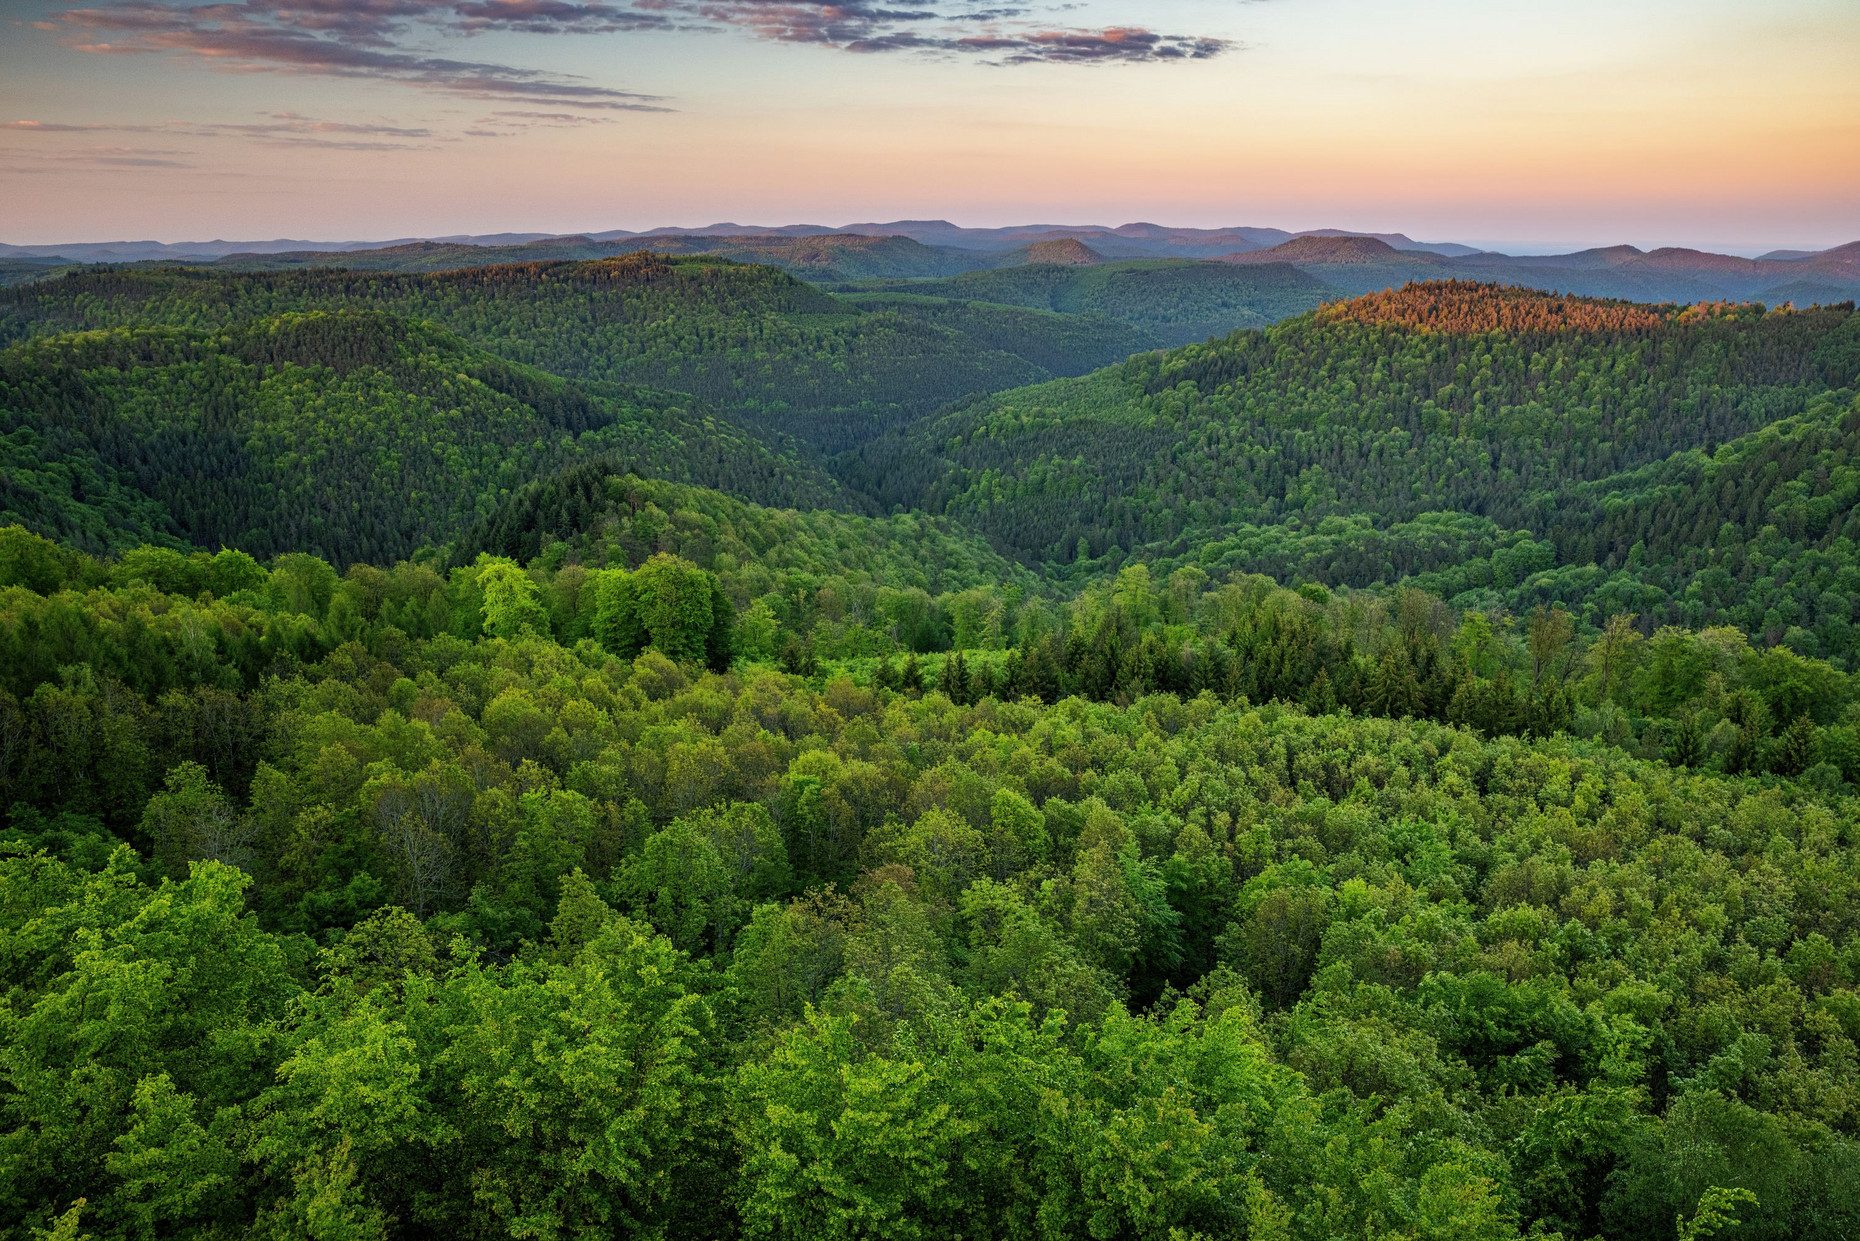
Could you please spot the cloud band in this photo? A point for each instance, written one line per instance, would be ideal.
(373, 38)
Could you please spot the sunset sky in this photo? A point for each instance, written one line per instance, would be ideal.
(1717, 123)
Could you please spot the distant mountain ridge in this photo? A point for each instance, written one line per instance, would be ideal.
(1139, 240)
(1360, 264)
(1349, 262)
(1330, 249)
(828, 258)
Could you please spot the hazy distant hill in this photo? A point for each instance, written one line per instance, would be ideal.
(1672, 274)
(825, 259)
(1354, 262)
(1140, 240)
(1065, 252)
(1597, 259)
(1341, 251)
(1398, 241)
(1842, 259)
(21, 270)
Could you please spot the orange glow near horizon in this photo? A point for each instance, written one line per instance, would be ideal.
(1706, 123)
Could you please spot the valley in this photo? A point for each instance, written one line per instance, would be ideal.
(1051, 737)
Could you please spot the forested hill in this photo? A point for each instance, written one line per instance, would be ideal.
(1368, 264)
(601, 513)
(834, 257)
(1391, 775)
(353, 435)
(752, 340)
(1442, 397)
(1172, 301)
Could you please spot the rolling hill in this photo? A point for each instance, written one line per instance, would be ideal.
(351, 435)
(1352, 261)
(1064, 252)
(1388, 773)
(1366, 265)
(602, 513)
(752, 341)
(25, 270)
(822, 259)
(1443, 397)
(1061, 344)
(1171, 301)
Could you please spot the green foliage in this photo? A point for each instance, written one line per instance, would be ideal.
(1714, 1214)
(668, 604)
(1571, 458)
(647, 862)
(510, 605)
(750, 340)
(353, 435)
(527, 938)
(1169, 301)
(1061, 344)
(1255, 428)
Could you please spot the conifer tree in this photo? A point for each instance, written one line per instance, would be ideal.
(1687, 746)
(1797, 748)
(955, 680)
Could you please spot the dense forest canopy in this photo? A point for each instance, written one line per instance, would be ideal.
(1431, 431)
(1171, 301)
(352, 435)
(751, 340)
(470, 772)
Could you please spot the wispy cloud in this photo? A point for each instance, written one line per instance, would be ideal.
(347, 38)
(1014, 36)
(378, 38)
(289, 129)
(553, 118)
(293, 123)
(54, 127)
(103, 157)
(134, 161)
(1130, 44)
(278, 129)
(520, 120)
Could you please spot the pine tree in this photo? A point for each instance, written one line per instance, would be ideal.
(1013, 674)
(1741, 758)
(955, 680)
(1321, 697)
(1549, 712)
(798, 659)
(1393, 691)
(1463, 707)
(1039, 672)
(1687, 748)
(1797, 749)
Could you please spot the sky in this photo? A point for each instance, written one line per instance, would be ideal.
(1722, 124)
